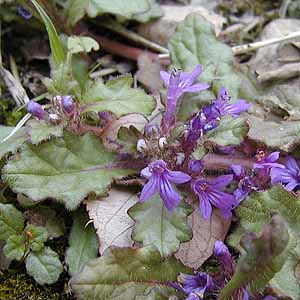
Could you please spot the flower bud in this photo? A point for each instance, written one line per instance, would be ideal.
(151, 130)
(162, 142)
(35, 109)
(195, 166)
(67, 104)
(141, 145)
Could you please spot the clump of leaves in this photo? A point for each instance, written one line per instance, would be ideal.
(180, 173)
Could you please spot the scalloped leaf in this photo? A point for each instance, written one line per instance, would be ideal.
(40, 130)
(255, 211)
(262, 257)
(66, 169)
(83, 243)
(138, 10)
(158, 227)
(126, 273)
(11, 221)
(231, 131)
(77, 44)
(12, 144)
(45, 266)
(117, 96)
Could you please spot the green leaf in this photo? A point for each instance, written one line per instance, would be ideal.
(83, 243)
(11, 221)
(55, 44)
(195, 43)
(117, 96)
(12, 144)
(128, 138)
(39, 236)
(40, 130)
(231, 131)
(254, 212)
(158, 227)
(14, 247)
(66, 169)
(139, 10)
(262, 258)
(45, 266)
(77, 44)
(125, 273)
(283, 135)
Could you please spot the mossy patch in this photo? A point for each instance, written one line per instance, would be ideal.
(15, 286)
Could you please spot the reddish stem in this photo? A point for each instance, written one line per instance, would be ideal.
(217, 161)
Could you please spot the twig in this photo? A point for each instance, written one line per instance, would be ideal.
(116, 27)
(120, 49)
(242, 49)
(282, 73)
(254, 46)
(103, 72)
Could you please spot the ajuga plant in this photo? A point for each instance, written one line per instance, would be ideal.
(194, 165)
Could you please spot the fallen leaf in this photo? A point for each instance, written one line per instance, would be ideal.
(109, 214)
(148, 73)
(161, 30)
(205, 232)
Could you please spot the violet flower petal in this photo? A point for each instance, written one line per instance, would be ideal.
(178, 177)
(221, 181)
(195, 88)
(165, 77)
(205, 207)
(149, 189)
(168, 194)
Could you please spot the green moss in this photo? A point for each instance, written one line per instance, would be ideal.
(21, 287)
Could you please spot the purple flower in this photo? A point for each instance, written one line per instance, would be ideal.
(67, 104)
(160, 179)
(194, 286)
(269, 297)
(179, 83)
(24, 13)
(195, 166)
(209, 193)
(224, 257)
(35, 109)
(246, 185)
(222, 107)
(266, 162)
(288, 174)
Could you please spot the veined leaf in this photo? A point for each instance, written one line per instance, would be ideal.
(11, 221)
(254, 212)
(125, 273)
(158, 227)
(14, 247)
(83, 243)
(139, 10)
(262, 257)
(45, 266)
(38, 236)
(66, 169)
(231, 131)
(117, 96)
(40, 130)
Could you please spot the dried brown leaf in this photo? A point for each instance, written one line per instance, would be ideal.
(205, 232)
(112, 223)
